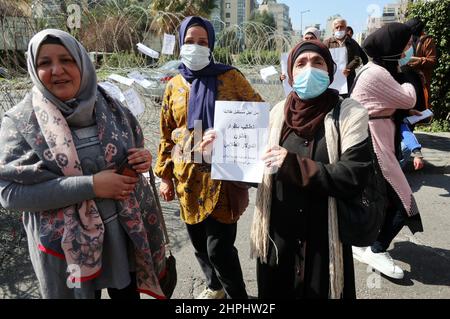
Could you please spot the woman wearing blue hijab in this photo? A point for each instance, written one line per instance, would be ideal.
(210, 208)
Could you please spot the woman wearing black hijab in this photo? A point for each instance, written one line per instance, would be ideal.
(379, 88)
(294, 233)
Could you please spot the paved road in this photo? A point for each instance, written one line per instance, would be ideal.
(425, 257)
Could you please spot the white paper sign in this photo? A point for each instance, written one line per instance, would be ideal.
(134, 102)
(267, 72)
(340, 80)
(121, 79)
(113, 90)
(284, 61)
(140, 79)
(146, 50)
(416, 118)
(242, 137)
(168, 44)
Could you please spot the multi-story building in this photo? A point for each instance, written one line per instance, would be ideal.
(232, 12)
(280, 12)
(392, 12)
(373, 23)
(296, 36)
(360, 37)
(216, 17)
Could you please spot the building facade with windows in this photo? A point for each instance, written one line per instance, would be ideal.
(232, 12)
(280, 12)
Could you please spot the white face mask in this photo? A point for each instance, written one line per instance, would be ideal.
(339, 34)
(195, 57)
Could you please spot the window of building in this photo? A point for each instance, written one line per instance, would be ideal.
(228, 5)
(227, 15)
(227, 24)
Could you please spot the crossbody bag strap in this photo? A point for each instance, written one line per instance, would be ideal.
(336, 112)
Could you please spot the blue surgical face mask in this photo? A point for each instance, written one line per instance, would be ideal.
(311, 82)
(408, 55)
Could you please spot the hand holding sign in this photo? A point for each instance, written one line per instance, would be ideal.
(241, 137)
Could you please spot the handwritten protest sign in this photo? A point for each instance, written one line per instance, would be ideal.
(242, 135)
(168, 44)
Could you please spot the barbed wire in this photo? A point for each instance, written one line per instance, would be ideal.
(106, 26)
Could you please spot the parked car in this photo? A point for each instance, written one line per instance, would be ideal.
(159, 78)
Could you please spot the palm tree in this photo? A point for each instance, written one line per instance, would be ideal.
(168, 14)
(14, 8)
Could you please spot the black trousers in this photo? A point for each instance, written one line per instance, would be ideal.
(128, 293)
(393, 223)
(214, 248)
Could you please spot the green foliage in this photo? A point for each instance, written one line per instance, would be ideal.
(201, 8)
(124, 60)
(436, 14)
(223, 55)
(259, 57)
(435, 127)
(265, 18)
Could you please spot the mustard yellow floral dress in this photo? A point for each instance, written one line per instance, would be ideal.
(199, 195)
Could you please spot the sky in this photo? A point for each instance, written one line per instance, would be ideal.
(355, 12)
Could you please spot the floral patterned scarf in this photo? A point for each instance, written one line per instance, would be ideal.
(37, 146)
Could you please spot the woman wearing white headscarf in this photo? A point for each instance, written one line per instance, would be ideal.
(88, 226)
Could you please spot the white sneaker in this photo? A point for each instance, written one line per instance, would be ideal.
(382, 262)
(211, 294)
(358, 253)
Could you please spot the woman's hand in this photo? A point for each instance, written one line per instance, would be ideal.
(108, 184)
(282, 77)
(412, 112)
(208, 139)
(167, 190)
(140, 159)
(274, 156)
(418, 163)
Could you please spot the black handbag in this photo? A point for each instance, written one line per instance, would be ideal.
(168, 281)
(361, 217)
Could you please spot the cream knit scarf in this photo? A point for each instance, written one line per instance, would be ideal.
(353, 122)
